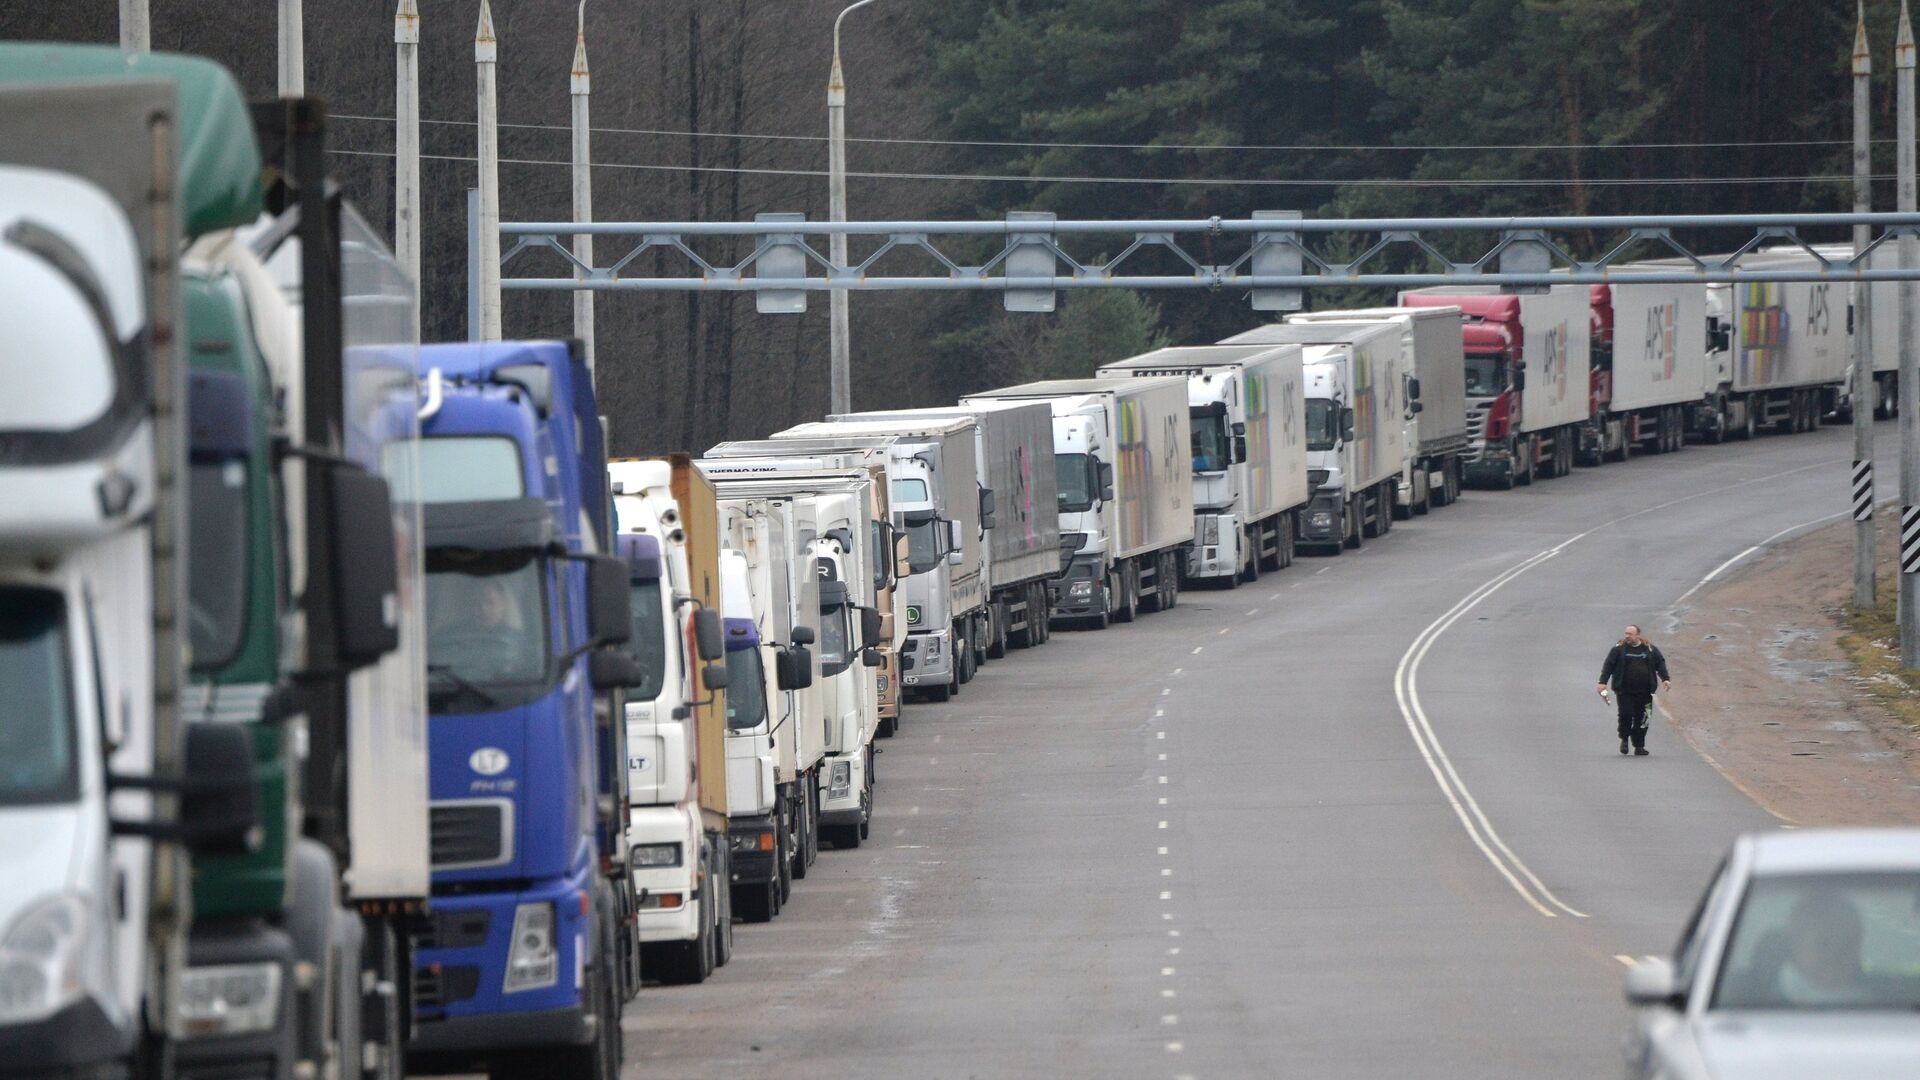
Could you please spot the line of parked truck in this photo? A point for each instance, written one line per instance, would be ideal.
(365, 716)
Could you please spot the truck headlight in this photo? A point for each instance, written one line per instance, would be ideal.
(761, 840)
(229, 999)
(1209, 530)
(1081, 590)
(1320, 519)
(840, 781)
(933, 647)
(882, 683)
(40, 959)
(648, 856)
(532, 960)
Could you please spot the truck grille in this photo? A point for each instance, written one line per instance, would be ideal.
(436, 986)
(471, 833)
(453, 930)
(1476, 434)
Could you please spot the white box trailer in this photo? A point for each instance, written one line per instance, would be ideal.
(1128, 444)
(1650, 367)
(1247, 408)
(1014, 444)
(1529, 377)
(1437, 441)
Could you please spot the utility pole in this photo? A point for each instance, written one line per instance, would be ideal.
(486, 54)
(840, 374)
(1909, 361)
(582, 185)
(406, 148)
(135, 28)
(293, 50)
(1864, 583)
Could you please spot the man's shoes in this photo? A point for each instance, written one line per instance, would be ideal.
(1641, 751)
(1623, 746)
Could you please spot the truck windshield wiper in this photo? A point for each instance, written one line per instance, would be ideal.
(459, 682)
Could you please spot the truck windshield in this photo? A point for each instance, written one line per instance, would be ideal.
(1484, 375)
(909, 490)
(649, 644)
(923, 543)
(216, 560)
(486, 628)
(1074, 474)
(746, 690)
(37, 760)
(455, 468)
(1323, 424)
(1210, 442)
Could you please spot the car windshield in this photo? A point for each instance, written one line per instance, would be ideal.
(37, 760)
(746, 690)
(923, 544)
(1483, 376)
(649, 642)
(1825, 941)
(216, 560)
(1075, 478)
(1210, 442)
(1323, 424)
(486, 624)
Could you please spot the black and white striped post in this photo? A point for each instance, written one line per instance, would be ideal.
(1863, 491)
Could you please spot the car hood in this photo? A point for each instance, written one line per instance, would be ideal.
(1828, 1045)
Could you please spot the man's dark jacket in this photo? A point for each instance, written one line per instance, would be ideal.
(1634, 669)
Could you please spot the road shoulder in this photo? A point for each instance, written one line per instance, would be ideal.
(1765, 691)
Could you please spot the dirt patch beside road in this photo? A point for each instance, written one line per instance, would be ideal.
(1765, 688)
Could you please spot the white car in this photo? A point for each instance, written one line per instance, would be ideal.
(1802, 960)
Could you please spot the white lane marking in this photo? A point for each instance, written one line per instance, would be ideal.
(1163, 851)
(1166, 916)
(1164, 691)
(1166, 895)
(1276, 596)
(1173, 933)
(1197, 648)
(1163, 824)
(1407, 693)
(1174, 1048)
(1166, 972)
(1624, 958)
(1163, 779)
(1166, 871)
(1768, 542)
(1163, 757)
(1253, 611)
(1175, 951)
(1179, 670)
(1322, 570)
(1170, 1019)
(1163, 800)
(1169, 993)
(1157, 713)
(1159, 734)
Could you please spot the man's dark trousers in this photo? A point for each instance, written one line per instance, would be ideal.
(1633, 718)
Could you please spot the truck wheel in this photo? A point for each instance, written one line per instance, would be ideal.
(1251, 572)
(998, 621)
(1129, 608)
(1373, 523)
(723, 910)
(1349, 527)
(1423, 493)
(1522, 463)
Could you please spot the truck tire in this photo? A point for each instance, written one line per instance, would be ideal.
(999, 619)
(596, 1060)
(722, 871)
(384, 1006)
(1423, 492)
(1128, 608)
(1522, 463)
(1373, 523)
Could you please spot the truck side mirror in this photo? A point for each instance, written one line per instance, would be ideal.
(1346, 423)
(1519, 381)
(871, 657)
(1106, 477)
(609, 601)
(219, 811)
(793, 667)
(906, 661)
(366, 576)
(1239, 448)
(870, 631)
(1419, 406)
(902, 561)
(709, 636)
(1719, 339)
(1413, 388)
(611, 669)
(956, 537)
(986, 508)
(802, 635)
(714, 676)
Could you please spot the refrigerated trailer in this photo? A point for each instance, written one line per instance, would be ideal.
(1014, 456)
(1650, 368)
(1529, 386)
(1437, 438)
(1247, 408)
(1122, 458)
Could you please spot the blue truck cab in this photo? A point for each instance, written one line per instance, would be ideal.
(531, 950)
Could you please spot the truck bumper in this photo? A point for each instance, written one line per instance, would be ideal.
(1320, 523)
(460, 999)
(1221, 558)
(77, 1043)
(750, 862)
(681, 921)
(932, 654)
(263, 1054)
(1080, 593)
(843, 805)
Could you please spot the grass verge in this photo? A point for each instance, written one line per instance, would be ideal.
(1872, 641)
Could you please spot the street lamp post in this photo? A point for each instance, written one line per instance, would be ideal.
(135, 26)
(486, 54)
(1909, 363)
(840, 376)
(293, 49)
(582, 88)
(1864, 584)
(406, 141)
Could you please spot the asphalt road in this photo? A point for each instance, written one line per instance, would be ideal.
(1362, 818)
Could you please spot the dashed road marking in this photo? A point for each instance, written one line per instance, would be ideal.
(1166, 871)
(1174, 1048)
(1163, 824)
(1253, 611)
(1164, 895)
(1166, 972)
(1163, 800)
(1197, 648)
(1163, 851)
(1169, 1019)
(1624, 958)
(1163, 779)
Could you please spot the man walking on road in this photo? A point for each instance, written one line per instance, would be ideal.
(1633, 668)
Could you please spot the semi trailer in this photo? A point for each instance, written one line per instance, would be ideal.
(1650, 372)
(1437, 438)
(1123, 464)
(1246, 405)
(1529, 388)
